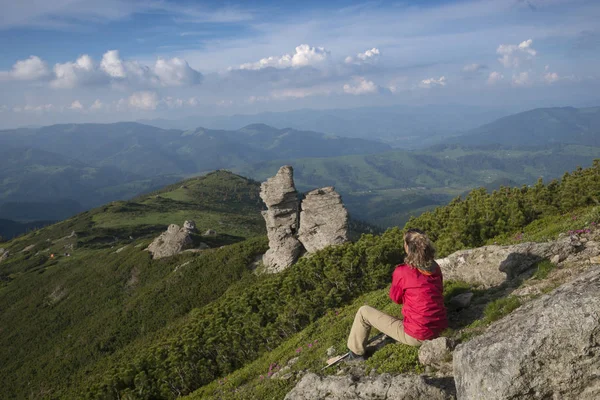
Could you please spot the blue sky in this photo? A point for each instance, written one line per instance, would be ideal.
(81, 60)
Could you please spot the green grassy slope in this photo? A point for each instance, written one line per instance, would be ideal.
(63, 316)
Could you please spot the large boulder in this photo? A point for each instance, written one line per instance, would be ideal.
(323, 220)
(383, 387)
(282, 220)
(492, 265)
(173, 241)
(547, 349)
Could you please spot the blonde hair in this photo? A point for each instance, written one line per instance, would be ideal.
(421, 253)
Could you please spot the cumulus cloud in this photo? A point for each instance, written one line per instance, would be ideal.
(97, 105)
(432, 82)
(521, 79)
(72, 74)
(369, 56)
(362, 86)
(551, 77)
(112, 69)
(300, 93)
(30, 69)
(144, 100)
(494, 78)
(513, 55)
(176, 72)
(112, 64)
(38, 108)
(304, 55)
(76, 106)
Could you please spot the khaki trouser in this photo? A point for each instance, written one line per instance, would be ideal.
(368, 317)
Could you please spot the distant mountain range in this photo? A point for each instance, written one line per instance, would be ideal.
(407, 127)
(539, 127)
(83, 165)
(52, 172)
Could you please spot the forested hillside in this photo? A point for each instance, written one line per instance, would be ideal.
(109, 322)
(387, 188)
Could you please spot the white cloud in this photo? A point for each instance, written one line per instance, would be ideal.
(513, 55)
(299, 93)
(432, 82)
(494, 78)
(29, 69)
(29, 107)
(144, 100)
(112, 69)
(305, 55)
(362, 86)
(368, 56)
(76, 106)
(521, 79)
(112, 65)
(551, 77)
(173, 102)
(72, 74)
(176, 72)
(97, 105)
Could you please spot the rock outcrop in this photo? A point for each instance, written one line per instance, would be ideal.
(323, 220)
(383, 387)
(173, 241)
(4, 255)
(492, 265)
(547, 349)
(282, 220)
(437, 353)
(293, 227)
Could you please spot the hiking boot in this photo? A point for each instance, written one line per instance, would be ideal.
(353, 357)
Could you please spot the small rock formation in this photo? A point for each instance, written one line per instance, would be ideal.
(384, 387)
(437, 353)
(4, 255)
(282, 220)
(28, 248)
(319, 221)
(173, 241)
(547, 349)
(492, 265)
(323, 220)
(210, 232)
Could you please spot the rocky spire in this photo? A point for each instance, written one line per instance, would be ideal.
(322, 222)
(281, 218)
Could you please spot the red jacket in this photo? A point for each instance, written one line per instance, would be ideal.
(424, 312)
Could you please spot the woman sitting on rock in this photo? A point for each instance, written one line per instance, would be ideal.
(417, 284)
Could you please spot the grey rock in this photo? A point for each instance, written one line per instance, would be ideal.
(462, 300)
(331, 351)
(210, 232)
(547, 349)
(384, 387)
(171, 242)
(189, 226)
(28, 248)
(555, 259)
(437, 353)
(4, 255)
(492, 265)
(323, 220)
(282, 220)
